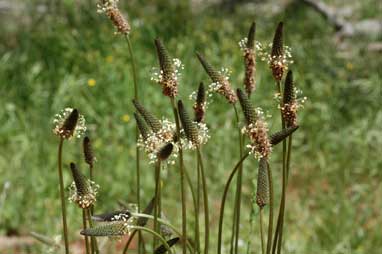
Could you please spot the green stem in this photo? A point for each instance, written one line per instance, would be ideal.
(137, 155)
(129, 241)
(62, 196)
(87, 245)
(262, 232)
(182, 188)
(270, 225)
(205, 199)
(157, 200)
(164, 223)
(239, 184)
(282, 202)
(197, 205)
(226, 187)
(155, 234)
(92, 238)
(284, 199)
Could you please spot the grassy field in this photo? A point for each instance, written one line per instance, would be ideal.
(72, 58)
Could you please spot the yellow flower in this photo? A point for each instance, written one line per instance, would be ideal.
(109, 59)
(349, 66)
(91, 82)
(125, 118)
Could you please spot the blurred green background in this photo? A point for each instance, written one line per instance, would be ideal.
(55, 54)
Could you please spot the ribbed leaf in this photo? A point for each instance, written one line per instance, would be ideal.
(277, 46)
(162, 249)
(165, 151)
(251, 36)
(80, 180)
(110, 229)
(262, 194)
(142, 127)
(279, 136)
(246, 105)
(189, 126)
(150, 119)
(289, 93)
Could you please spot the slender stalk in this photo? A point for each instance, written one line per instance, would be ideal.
(239, 184)
(197, 205)
(87, 244)
(62, 196)
(129, 241)
(93, 241)
(205, 199)
(94, 244)
(154, 234)
(182, 188)
(262, 232)
(157, 200)
(284, 200)
(226, 187)
(270, 226)
(164, 223)
(137, 155)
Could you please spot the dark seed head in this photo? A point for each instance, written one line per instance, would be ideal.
(69, 124)
(165, 61)
(121, 215)
(289, 93)
(262, 194)
(279, 136)
(211, 71)
(200, 104)
(277, 46)
(150, 119)
(165, 151)
(162, 249)
(251, 36)
(88, 151)
(142, 127)
(80, 180)
(189, 126)
(246, 105)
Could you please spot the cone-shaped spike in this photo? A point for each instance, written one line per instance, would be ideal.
(262, 194)
(150, 119)
(142, 127)
(246, 105)
(162, 249)
(281, 135)
(111, 229)
(189, 126)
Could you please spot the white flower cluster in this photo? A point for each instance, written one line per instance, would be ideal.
(158, 76)
(106, 5)
(59, 120)
(283, 61)
(84, 201)
(216, 86)
(156, 140)
(203, 137)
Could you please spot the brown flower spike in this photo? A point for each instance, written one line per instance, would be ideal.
(110, 8)
(250, 61)
(290, 105)
(222, 82)
(262, 193)
(200, 104)
(168, 77)
(277, 55)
